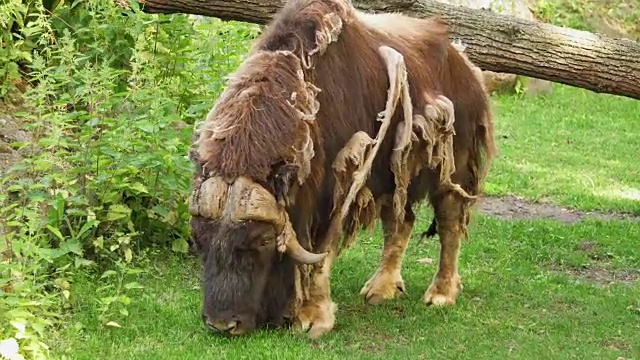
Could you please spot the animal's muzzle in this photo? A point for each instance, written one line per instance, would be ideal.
(232, 327)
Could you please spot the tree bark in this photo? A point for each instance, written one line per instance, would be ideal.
(494, 42)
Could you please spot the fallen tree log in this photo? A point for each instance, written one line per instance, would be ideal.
(494, 42)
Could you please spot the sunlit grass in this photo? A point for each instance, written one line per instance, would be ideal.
(576, 148)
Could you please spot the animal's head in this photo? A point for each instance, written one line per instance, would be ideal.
(252, 156)
(249, 247)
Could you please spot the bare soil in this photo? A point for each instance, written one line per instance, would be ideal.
(598, 270)
(603, 276)
(516, 208)
(599, 274)
(11, 132)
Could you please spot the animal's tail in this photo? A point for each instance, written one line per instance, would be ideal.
(483, 148)
(431, 231)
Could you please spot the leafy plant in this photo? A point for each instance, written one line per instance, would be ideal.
(609, 16)
(114, 94)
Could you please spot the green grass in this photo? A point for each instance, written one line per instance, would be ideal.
(520, 299)
(575, 148)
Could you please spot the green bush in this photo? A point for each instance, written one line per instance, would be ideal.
(114, 96)
(619, 16)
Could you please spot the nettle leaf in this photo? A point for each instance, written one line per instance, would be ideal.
(14, 188)
(110, 152)
(73, 246)
(108, 273)
(108, 300)
(99, 242)
(19, 314)
(134, 5)
(133, 285)
(161, 210)
(39, 327)
(87, 226)
(139, 188)
(56, 232)
(171, 218)
(146, 126)
(79, 262)
(180, 245)
(50, 254)
(117, 212)
(134, 271)
(128, 255)
(37, 196)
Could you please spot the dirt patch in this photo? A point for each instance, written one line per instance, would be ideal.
(10, 133)
(598, 271)
(617, 344)
(516, 208)
(600, 275)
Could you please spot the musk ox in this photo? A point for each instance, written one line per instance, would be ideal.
(335, 119)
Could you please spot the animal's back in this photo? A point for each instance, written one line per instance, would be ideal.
(439, 69)
(354, 82)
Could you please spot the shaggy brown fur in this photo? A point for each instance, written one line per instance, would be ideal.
(261, 119)
(314, 79)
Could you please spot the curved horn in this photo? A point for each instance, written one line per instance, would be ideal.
(207, 199)
(288, 243)
(298, 253)
(248, 200)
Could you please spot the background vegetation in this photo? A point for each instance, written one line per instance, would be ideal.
(110, 97)
(111, 102)
(610, 17)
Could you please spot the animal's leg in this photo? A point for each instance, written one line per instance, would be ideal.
(451, 218)
(387, 282)
(317, 313)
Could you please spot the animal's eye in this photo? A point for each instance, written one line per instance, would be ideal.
(262, 234)
(266, 241)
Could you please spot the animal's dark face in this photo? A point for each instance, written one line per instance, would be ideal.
(249, 250)
(247, 282)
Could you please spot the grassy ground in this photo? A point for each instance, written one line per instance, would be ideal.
(576, 148)
(532, 289)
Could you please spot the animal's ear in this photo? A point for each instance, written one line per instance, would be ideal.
(309, 29)
(194, 246)
(196, 240)
(282, 181)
